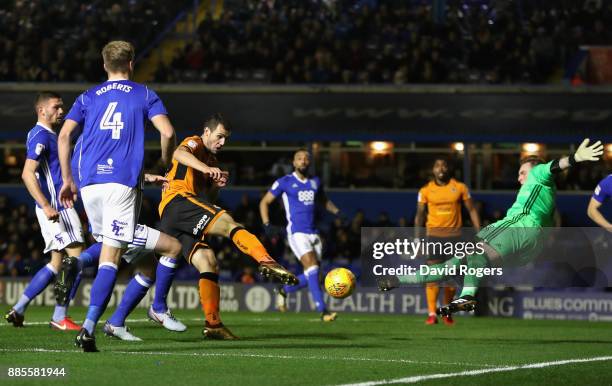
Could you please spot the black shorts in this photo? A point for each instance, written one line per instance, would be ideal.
(188, 218)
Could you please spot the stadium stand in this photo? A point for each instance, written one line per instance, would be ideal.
(50, 41)
(387, 41)
(296, 42)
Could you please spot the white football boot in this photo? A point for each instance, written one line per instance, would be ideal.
(166, 319)
(122, 333)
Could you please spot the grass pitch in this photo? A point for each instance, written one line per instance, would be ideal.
(298, 349)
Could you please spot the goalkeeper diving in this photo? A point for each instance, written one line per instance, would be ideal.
(514, 240)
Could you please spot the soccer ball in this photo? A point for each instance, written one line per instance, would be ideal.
(340, 283)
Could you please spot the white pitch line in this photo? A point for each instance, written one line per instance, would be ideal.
(426, 377)
(81, 321)
(244, 355)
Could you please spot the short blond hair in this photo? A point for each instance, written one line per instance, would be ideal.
(117, 56)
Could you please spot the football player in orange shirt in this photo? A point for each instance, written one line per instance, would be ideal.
(439, 210)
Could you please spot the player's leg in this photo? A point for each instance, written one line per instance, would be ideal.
(170, 249)
(135, 291)
(204, 260)
(248, 243)
(71, 240)
(39, 282)
(450, 289)
(67, 276)
(309, 249)
(282, 292)
(492, 256)
(44, 276)
(111, 209)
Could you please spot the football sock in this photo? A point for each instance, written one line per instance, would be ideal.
(470, 282)
(449, 294)
(134, 292)
(302, 282)
(250, 245)
(59, 313)
(210, 295)
(166, 269)
(90, 256)
(39, 282)
(75, 287)
(314, 286)
(432, 290)
(101, 291)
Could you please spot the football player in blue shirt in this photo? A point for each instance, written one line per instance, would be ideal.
(602, 193)
(60, 226)
(112, 116)
(300, 193)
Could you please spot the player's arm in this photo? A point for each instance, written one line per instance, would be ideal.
(68, 192)
(168, 137)
(327, 203)
(213, 191)
(594, 214)
(474, 216)
(419, 219)
(584, 153)
(264, 208)
(28, 175)
(183, 156)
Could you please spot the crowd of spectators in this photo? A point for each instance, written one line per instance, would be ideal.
(60, 41)
(297, 41)
(390, 41)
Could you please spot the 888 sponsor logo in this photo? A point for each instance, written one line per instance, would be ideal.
(306, 196)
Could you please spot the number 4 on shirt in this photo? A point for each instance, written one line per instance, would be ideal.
(111, 120)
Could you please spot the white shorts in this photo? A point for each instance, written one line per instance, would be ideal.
(61, 234)
(112, 210)
(145, 240)
(302, 243)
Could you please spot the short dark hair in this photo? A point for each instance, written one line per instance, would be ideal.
(443, 158)
(215, 120)
(531, 159)
(44, 96)
(301, 149)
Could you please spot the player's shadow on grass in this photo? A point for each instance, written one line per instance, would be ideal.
(527, 341)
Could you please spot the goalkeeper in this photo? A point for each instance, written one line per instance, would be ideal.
(513, 240)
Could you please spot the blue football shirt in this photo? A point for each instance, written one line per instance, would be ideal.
(299, 198)
(113, 117)
(41, 146)
(603, 191)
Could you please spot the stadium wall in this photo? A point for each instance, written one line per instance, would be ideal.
(556, 305)
(407, 113)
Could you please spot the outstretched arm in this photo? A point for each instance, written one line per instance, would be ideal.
(331, 207)
(584, 153)
(185, 157)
